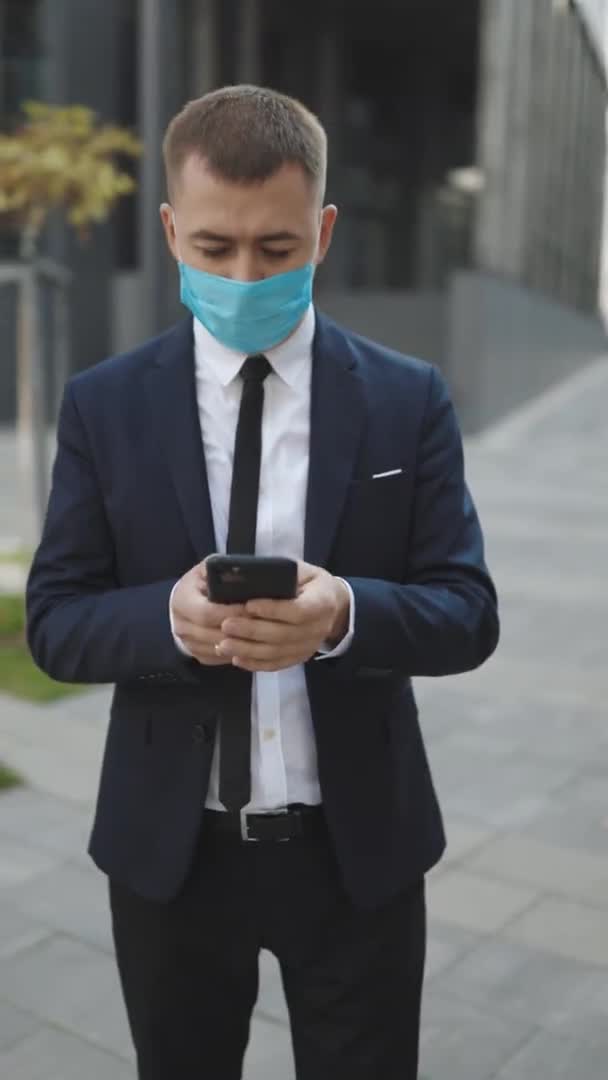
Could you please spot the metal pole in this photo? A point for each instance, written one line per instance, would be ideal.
(249, 58)
(496, 56)
(61, 340)
(151, 87)
(31, 413)
(203, 58)
(58, 279)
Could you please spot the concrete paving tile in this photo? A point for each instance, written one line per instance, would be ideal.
(549, 729)
(589, 1027)
(66, 982)
(91, 708)
(445, 706)
(16, 715)
(445, 945)
(57, 1055)
(25, 813)
(18, 931)
(40, 724)
(476, 903)
(589, 787)
(529, 985)
(70, 775)
(34, 740)
(566, 929)
(462, 1042)
(269, 1054)
(556, 869)
(67, 838)
(464, 838)
(20, 863)
(500, 792)
(15, 1024)
(531, 675)
(575, 815)
(478, 737)
(491, 809)
(436, 722)
(69, 898)
(550, 1056)
(83, 861)
(560, 556)
(457, 766)
(565, 823)
(545, 629)
(12, 578)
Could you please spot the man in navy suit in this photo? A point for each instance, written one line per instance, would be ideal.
(265, 783)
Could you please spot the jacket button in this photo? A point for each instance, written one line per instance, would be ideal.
(202, 733)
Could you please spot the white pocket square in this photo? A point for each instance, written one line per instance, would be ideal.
(390, 472)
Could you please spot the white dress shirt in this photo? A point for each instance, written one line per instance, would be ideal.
(283, 749)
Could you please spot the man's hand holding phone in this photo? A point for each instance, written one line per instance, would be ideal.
(196, 620)
(274, 634)
(263, 634)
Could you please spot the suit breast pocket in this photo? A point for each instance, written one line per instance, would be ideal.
(372, 537)
(382, 482)
(381, 493)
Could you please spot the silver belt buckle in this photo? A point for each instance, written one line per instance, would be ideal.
(245, 830)
(255, 839)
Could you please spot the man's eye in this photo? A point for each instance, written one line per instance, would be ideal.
(272, 253)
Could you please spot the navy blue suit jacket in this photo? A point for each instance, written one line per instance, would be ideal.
(129, 513)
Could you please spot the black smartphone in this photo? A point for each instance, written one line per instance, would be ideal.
(234, 579)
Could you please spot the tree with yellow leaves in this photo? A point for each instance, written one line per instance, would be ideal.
(57, 158)
(61, 157)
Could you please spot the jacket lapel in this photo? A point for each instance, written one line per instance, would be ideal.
(171, 393)
(337, 416)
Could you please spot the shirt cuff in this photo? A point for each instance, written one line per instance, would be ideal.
(178, 641)
(325, 652)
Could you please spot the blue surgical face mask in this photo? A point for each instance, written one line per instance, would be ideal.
(247, 316)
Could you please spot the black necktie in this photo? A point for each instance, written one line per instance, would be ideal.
(235, 744)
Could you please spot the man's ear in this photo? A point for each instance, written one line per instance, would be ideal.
(328, 221)
(168, 219)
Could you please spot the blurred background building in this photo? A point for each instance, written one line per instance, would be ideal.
(468, 148)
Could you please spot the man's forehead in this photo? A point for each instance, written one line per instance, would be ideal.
(197, 180)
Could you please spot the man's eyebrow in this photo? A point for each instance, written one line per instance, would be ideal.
(218, 238)
(206, 234)
(269, 238)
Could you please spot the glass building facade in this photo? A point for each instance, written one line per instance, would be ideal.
(462, 137)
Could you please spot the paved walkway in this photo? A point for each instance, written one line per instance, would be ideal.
(517, 984)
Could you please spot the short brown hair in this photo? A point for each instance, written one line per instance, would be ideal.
(246, 133)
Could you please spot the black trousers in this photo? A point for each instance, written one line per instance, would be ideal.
(189, 968)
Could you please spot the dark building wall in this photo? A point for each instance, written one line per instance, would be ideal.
(507, 344)
(412, 322)
(8, 337)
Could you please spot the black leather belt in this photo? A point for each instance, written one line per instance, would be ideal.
(287, 824)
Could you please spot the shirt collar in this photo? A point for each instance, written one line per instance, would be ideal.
(289, 359)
